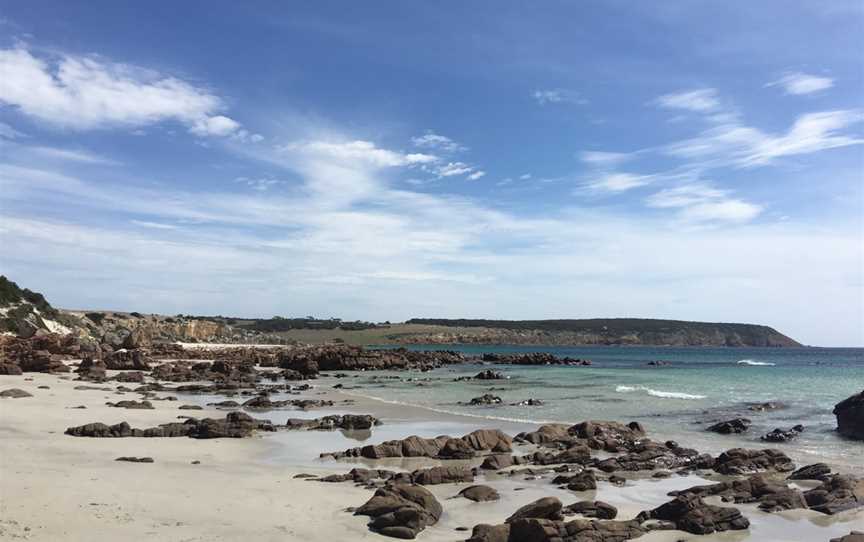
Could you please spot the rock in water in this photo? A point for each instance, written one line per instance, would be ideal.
(545, 508)
(728, 427)
(691, 514)
(480, 494)
(850, 416)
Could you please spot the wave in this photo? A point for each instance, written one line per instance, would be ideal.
(658, 393)
(755, 363)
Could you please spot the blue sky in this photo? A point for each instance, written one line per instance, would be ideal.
(689, 160)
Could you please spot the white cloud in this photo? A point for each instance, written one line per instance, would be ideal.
(260, 184)
(700, 203)
(8, 132)
(431, 140)
(85, 93)
(700, 101)
(798, 83)
(604, 159)
(451, 169)
(359, 151)
(557, 96)
(618, 182)
(525, 176)
(746, 146)
(476, 175)
(153, 225)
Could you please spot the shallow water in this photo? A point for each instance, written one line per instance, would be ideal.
(676, 401)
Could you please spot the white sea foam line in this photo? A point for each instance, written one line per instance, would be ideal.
(453, 412)
(658, 393)
(755, 363)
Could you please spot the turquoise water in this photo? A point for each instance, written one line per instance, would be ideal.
(699, 387)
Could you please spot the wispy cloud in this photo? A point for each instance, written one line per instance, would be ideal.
(605, 159)
(476, 175)
(618, 182)
(431, 140)
(86, 93)
(261, 184)
(700, 100)
(558, 96)
(798, 83)
(700, 202)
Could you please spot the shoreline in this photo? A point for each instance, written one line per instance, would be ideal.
(249, 484)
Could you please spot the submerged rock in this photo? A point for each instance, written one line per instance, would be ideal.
(728, 427)
(780, 435)
(480, 493)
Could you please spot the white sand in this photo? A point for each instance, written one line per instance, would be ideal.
(56, 487)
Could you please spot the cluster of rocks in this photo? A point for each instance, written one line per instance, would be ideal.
(471, 445)
(235, 425)
(346, 422)
(533, 358)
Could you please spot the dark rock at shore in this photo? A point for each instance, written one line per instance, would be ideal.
(581, 481)
(728, 427)
(235, 425)
(480, 493)
(346, 422)
(190, 407)
(691, 514)
(781, 435)
(547, 530)
(854, 536)
(485, 399)
(816, 471)
(545, 508)
(135, 459)
(443, 447)
(127, 360)
(15, 393)
(742, 461)
(837, 493)
(764, 407)
(489, 374)
(130, 376)
(771, 495)
(225, 404)
(532, 358)
(442, 475)
(145, 405)
(401, 510)
(850, 416)
(592, 509)
(528, 402)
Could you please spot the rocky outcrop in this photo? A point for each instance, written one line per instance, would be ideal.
(401, 510)
(850, 416)
(487, 399)
(444, 447)
(545, 508)
(816, 471)
(346, 422)
(728, 427)
(837, 493)
(546, 530)
(783, 435)
(235, 425)
(592, 509)
(688, 512)
(741, 461)
(771, 495)
(127, 360)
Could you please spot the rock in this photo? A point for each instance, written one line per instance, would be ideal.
(347, 422)
(190, 407)
(9, 368)
(401, 510)
(145, 405)
(816, 471)
(545, 530)
(130, 376)
(691, 514)
(442, 475)
(485, 399)
(545, 508)
(850, 416)
(235, 425)
(127, 360)
(489, 374)
(764, 407)
(442, 447)
(225, 404)
(742, 461)
(728, 427)
(837, 493)
(592, 509)
(582, 481)
(779, 435)
(854, 536)
(15, 393)
(135, 459)
(480, 493)
(529, 402)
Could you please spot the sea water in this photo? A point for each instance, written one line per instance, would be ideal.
(678, 400)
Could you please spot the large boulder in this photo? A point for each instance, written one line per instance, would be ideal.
(545, 508)
(837, 493)
(480, 493)
(728, 427)
(401, 510)
(850, 416)
(739, 461)
(691, 514)
(592, 509)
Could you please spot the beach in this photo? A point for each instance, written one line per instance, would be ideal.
(58, 487)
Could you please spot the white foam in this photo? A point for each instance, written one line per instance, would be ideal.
(755, 363)
(658, 393)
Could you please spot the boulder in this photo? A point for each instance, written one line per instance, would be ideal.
(545, 508)
(401, 510)
(592, 509)
(816, 471)
(850, 416)
(854, 536)
(480, 493)
(781, 435)
(728, 427)
(145, 405)
(127, 360)
(485, 399)
(837, 493)
(488, 374)
(739, 461)
(442, 475)
(691, 514)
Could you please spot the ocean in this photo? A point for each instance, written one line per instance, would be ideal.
(699, 386)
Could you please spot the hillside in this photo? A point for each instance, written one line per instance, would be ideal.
(603, 331)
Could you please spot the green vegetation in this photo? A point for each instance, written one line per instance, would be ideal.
(11, 294)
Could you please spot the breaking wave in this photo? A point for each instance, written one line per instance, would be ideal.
(657, 393)
(755, 363)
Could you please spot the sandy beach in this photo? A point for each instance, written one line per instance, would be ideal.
(57, 487)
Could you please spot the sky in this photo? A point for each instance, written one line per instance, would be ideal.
(387, 160)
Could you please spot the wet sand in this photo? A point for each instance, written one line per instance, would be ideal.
(57, 487)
